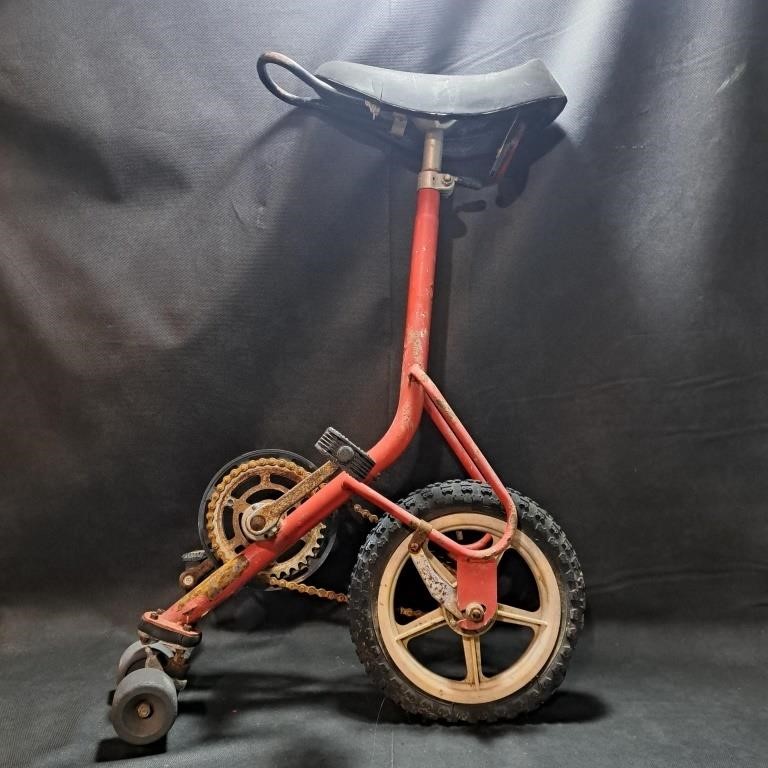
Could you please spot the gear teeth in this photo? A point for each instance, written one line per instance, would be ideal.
(280, 570)
(224, 549)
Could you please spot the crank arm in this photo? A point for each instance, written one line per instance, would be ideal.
(270, 515)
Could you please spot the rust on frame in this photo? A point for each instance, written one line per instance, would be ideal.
(216, 583)
(415, 341)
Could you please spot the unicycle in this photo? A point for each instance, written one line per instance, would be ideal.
(466, 599)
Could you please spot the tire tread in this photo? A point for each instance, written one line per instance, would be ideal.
(538, 524)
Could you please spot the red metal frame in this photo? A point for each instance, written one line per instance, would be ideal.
(476, 564)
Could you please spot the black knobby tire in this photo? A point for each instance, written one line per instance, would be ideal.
(431, 503)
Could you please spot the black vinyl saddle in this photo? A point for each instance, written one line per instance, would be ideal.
(477, 112)
(529, 86)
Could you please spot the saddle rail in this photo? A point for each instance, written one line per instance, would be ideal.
(321, 88)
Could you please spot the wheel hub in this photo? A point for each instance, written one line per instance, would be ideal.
(453, 623)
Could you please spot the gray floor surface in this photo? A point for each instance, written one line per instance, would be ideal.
(637, 694)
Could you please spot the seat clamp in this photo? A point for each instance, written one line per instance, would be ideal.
(399, 124)
(442, 182)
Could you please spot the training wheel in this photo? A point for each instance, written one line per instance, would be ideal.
(135, 656)
(144, 706)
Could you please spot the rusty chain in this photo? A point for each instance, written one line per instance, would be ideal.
(365, 514)
(193, 575)
(328, 594)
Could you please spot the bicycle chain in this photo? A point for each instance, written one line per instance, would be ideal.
(366, 514)
(305, 589)
(328, 594)
(309, 589)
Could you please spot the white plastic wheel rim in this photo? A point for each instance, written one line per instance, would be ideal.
(476, 688)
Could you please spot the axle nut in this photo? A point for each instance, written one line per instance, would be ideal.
(475, 611)
(257, 523)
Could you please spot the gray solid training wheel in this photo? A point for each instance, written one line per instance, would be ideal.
(144, 706)
(135, 655)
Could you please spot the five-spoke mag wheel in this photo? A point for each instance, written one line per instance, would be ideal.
(427, 663)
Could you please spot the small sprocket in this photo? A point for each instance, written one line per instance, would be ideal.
(239, 487)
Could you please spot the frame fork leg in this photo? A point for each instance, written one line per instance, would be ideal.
(465, 448)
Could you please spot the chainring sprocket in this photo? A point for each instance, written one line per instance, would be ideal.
(254, 478)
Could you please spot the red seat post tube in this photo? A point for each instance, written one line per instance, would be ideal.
(418, 314)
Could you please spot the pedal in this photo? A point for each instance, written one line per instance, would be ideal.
(196, 567)
(194, 556)
(345, 454)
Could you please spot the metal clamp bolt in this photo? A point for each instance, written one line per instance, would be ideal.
(443, 182)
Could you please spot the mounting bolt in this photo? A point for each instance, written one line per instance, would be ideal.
(414, 547)
(188, 580)
(475, 611)
(187, 627)
(143, 710)
(447, 179)
(153, 615)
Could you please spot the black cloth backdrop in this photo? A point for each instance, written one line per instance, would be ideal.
(190, 269)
